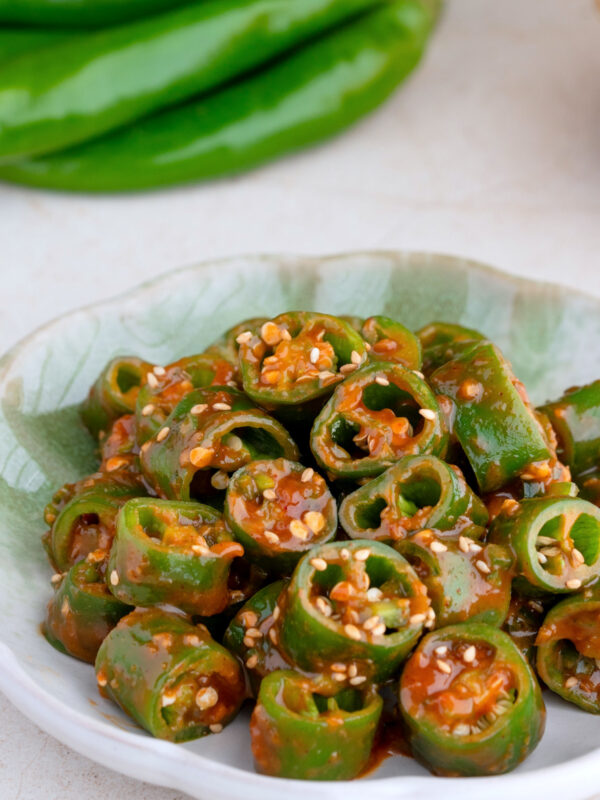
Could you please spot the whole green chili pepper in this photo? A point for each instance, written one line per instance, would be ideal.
(80, 13)
(471, 702)
(391, 341)
(555, 540)
(114, 393)
(356, 603)
(169, 675)
(465, 579)
(279, 510)
(82, 612)
(314, 93)
(172, 553)
(85, 87)
(417, 492)
(300, 731)
(210, 433)
(576, 420)
(493, 420)
(568, 650)
(443, 341)
(377, 415)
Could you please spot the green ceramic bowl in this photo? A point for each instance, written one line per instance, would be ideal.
(551, 334)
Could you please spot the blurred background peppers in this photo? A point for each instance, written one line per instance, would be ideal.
(163, 96)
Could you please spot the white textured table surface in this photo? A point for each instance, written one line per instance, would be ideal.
(491, 151)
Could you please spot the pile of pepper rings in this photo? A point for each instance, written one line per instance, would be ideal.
(122, 95)
(367, 531)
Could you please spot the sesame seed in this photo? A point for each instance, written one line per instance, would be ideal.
(427, 413)
(355, 357)
(162, 434)
(482, 567)
(160, 371)
(191, 640)
(339, 677)
(270, 494)
(272, 376)
(475, 548)
(358, 680)
(146, 446)
(464, 544)
(338, 666)
(168, 699)
(221, 407)
(270, 333)
(319, 564)
(469, 654)
(374, 594)
(101, 678)
(362, 555)
(573, 583)
(254, 633)
(233, 442)
(199, 408)
(353, 670)
(201, 456)
(215, 728)
(314, 355)
(443, 666)
(371, 622)
(352, 632)
(379, 630)
(307, 475)
(249, 618)
(271, 537)
(56, 578)
(346, 369)
(418, 374)
(367, 347)
(416, 619)
(326, 375)
(220, 480)
(114, 578)
(571, 682)
(462, 729)
(248, 641)
(344, 554)
(200, 549)
(147, 410)
(244, 337)
(276, 613)
(441, 650)
(273, 635)
(252, 661)
(314, 520)
(298, 530)
(323, 606)
(578, 556)
(65, 607)
(152, 380)
(382, 381)
(437, 547)
(206, 697)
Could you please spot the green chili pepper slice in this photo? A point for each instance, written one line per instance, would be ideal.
(82, 612)
(317, 91)
(555, 540)
(352, 611)
(391, 341)
(114, 393)
(169, 385)
(493, 420)
(279, 510)
(470, 702)
(299, 731)
(249, 634)
(417, 492)
(576, 420)
(174, 553)
(170, 676)
(568, 650)
(376, 416)
(465, 579)
(523, 621)
(443, 341)
(210, 433)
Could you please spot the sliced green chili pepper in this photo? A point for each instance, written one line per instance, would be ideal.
(159, 396)
(210, 433)
(417, 492)
(470, 702)
(391, 341)
(357, 604)
(173, 553)
(82, 612)
(576, 420)
(114, 393)
(169, 675)
(91, 85)
(465, 579)
(568, 650)
(493, 420)
(80, 13)
(249, 634)
(443, 341)
(555, 540)
(317, 91)
(300, 731)
(279, 510)
(379, 414)
(524, 619)
(82, 517)
(296, 359)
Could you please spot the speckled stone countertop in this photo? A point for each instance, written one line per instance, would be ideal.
(491, 151)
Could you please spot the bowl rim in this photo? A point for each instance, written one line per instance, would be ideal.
(29, 697)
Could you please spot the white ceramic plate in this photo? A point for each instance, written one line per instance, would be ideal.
(552, 336)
